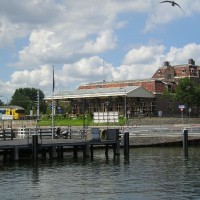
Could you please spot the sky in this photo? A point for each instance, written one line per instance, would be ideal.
(91, 41)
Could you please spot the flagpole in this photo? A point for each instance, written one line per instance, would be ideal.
(52, 105)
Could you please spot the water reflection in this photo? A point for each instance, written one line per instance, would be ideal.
(148, 173)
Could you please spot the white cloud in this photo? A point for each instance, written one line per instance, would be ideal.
(38, 78)
(73, 35)
(84, 70)
(139, 63)
(105, 41)
(43, 48)
(181, 55)
(144, 54)
(8, 32)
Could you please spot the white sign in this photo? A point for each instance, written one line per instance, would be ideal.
(7, 117)
(31, 113)
(101, 117)
(182, 106)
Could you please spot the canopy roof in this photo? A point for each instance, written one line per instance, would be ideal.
(130, 91)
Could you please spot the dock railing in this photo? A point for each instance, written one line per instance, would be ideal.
(82, 134)
(46, 132)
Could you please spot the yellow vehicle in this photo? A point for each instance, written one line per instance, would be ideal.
(16, 112)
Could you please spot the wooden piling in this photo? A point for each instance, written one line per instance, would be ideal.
(60, 151)
(126, 143)
(34, 147)
(16, 153)
(91, 151)
(43, 153)
(52, 152)
(185, 142)
(118, 148)
(86, 150)
(106, 149)
(75, 151)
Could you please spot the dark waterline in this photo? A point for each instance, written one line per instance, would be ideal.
(150, 173)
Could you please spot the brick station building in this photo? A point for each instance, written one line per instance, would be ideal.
(165, 78)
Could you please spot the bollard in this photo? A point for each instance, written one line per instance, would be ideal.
(126, 143)
(185, 142)
(34, 147)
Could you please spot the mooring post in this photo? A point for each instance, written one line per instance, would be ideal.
(126, 143)
(185, 142)
(34, 147)
(16, 153)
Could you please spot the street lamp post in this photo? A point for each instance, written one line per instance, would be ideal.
(107, 106)
(125, 108)
(83, 105)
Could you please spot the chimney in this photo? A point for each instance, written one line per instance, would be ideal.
(191, 61)
(166, 64)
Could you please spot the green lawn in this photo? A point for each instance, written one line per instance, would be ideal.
(61, 121)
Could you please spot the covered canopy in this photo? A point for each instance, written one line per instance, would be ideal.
(129, 91)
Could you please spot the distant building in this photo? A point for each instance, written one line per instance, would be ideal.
(165, 78)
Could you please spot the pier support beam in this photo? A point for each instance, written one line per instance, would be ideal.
(91, 151)
(126, 143)
(5, 156)
(75, 151)
(43, 153)
(118, 148)
(60, 152)
(52, 152)
(106, 149)
(16, 153)
(34, 147)
(86, 150)
(185, 142)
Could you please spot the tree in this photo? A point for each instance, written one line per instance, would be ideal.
(1, 103)
(187, 92)
(28, 99)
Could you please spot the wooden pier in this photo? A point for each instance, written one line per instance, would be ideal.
(35, 147)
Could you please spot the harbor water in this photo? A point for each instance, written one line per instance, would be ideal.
(149, 173)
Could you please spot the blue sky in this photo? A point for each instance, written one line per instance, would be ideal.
(92, 40)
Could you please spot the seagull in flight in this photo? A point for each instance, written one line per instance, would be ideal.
(173, 4)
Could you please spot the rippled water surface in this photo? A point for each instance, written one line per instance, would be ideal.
(150, 173)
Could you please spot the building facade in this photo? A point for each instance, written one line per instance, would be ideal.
(115, 95)
(166, 78)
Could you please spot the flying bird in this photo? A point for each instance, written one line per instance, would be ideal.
(173, 4)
